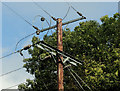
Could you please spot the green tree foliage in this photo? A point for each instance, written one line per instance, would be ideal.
(97, 44)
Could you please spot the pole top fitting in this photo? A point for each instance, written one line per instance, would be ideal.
(59, 20)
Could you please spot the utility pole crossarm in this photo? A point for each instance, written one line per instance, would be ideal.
(65, 23)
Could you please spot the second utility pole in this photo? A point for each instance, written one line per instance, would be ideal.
(60, 58)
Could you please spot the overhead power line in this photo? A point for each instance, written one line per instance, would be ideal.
(45, 11)
(74, 9)
(23, 39)
(75, 79)
(43, 31)
(41, 8)
(66, 13)
(9, 54)
(31, 33)
(11, 71)
(38, 30)
(26, 22)
(17, 14)
(23, 18)
(19, 51)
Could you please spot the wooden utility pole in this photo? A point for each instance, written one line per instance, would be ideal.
(59, 46)
(60, 58)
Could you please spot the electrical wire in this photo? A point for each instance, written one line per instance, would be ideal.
(75, 79)
(49, 24)
(25, 82)
(42, 9)
(73, 76)
(71, 6)
(11, 71)
(66, 13)
(15, 52)
(29, 34)
(15, 69)
(74, 9)
(24, 20)
(51, 29)
(53, 58)
(35, 18)
(25, 48)
(9, 54)
(80, 78)
(23, 39)
(18, 14)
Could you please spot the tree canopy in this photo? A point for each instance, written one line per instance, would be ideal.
(98, 45)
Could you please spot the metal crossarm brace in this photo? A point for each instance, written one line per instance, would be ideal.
(59, 52)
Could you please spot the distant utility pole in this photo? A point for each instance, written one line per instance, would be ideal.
(60, 58)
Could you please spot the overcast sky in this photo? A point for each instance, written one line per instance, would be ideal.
(14, 28)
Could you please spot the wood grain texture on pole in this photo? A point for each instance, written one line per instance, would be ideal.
(60, 47)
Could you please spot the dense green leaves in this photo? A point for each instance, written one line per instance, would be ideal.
(97, 44)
